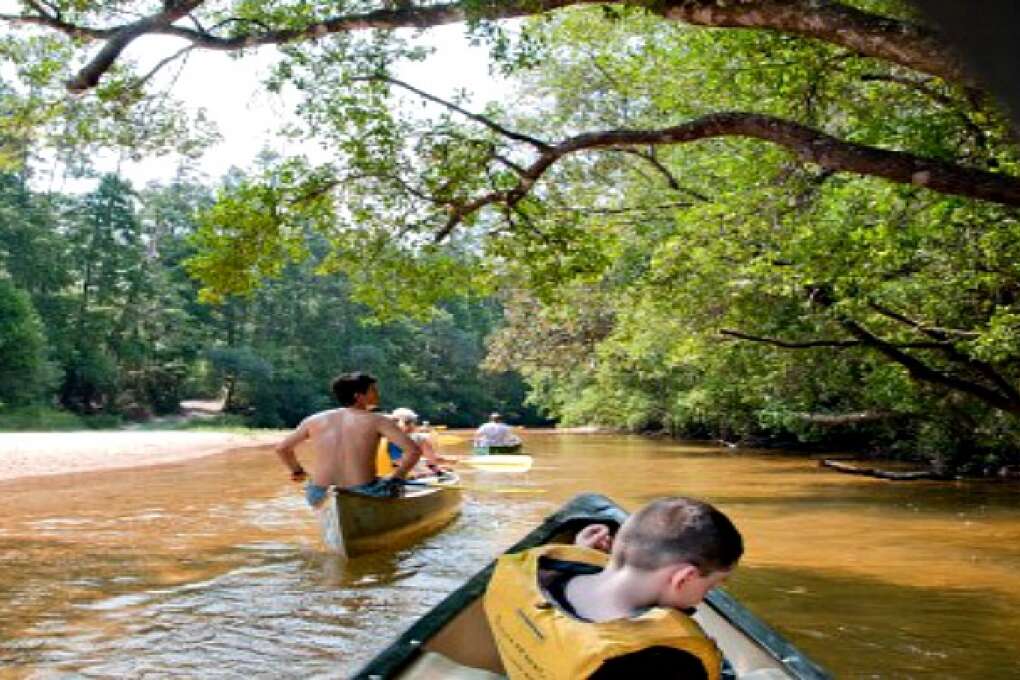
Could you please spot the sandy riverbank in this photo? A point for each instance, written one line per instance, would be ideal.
(28, 454)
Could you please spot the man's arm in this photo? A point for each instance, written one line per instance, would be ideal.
(428, 452)
(412, 452)
(285, 450)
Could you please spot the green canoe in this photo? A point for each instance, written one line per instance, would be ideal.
(354, 524)
(453, 640)
(512, 447)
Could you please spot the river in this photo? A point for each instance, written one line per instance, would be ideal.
(212, 567)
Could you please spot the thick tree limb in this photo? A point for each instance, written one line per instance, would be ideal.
(867, 34)
(943, 336)
(807, 144)
(871, 35)
(790, 345)
(89, 76)
(920, 371)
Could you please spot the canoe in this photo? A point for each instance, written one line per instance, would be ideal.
(453, 639)
(514, 447)
(352, 524)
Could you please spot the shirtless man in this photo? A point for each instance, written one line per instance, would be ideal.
(345, 442)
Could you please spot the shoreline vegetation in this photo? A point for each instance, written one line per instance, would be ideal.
(56, 451)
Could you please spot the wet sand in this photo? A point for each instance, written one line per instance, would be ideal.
(30, 454)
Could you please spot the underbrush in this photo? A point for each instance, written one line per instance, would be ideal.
(48, 419)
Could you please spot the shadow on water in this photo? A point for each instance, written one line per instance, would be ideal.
(885, 630)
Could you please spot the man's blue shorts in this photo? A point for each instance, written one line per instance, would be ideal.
(380, 487)
(315, 494)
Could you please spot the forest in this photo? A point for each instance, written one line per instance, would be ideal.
(769, 223)
(103, 322)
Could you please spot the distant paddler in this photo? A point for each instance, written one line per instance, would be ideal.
(345, 441)
(496, 437)
(407, 421)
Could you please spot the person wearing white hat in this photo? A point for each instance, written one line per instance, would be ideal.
(407, 421)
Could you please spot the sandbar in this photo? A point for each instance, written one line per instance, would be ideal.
(30, 454)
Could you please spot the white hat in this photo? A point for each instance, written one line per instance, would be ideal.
(404, 414)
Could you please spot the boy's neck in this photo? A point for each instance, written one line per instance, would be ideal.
(611, 594)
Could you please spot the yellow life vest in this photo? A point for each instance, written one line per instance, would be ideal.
(383, 464)
(536, 639)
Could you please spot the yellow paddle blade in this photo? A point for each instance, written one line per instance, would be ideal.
(498, 462)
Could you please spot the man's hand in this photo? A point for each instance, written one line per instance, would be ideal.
(595, 536)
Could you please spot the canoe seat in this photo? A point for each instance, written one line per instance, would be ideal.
(435, 666)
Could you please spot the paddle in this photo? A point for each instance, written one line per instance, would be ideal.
(497, 462)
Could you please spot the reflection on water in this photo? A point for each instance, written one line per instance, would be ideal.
(212, 567)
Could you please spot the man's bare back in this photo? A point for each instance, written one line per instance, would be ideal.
(345, 441)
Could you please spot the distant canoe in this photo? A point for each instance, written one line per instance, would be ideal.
(510, 447)
(354, 524)
(453, 640)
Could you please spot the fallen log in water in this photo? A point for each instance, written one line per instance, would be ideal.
(850, 469)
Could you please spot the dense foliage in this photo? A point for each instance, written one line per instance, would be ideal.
(724, 290)
(100, 317)
(804, 232)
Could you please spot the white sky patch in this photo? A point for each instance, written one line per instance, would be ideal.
(248, 116)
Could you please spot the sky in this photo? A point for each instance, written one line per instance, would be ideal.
(247, 116)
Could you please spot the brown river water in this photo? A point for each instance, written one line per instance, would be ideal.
(212, 567)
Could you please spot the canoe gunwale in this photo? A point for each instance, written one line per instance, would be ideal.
(578, 512)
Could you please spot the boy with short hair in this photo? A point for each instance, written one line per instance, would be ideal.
(345, 442)
(570, 612)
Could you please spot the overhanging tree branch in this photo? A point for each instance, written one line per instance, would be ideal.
(944, 336)
(807, 144)
(922, 372)
(872, 35)
(89, 76)
(775, 342)
(482, 120)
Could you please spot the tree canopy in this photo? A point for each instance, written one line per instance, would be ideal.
(735, 218)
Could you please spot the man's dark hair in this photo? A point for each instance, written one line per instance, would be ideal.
(347, 386)
(673, 530)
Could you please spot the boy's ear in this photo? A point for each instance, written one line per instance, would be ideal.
(681, 576)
